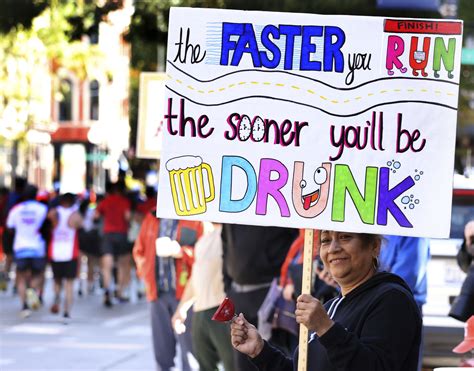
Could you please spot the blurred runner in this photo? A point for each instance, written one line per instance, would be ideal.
(64, 250)
(115, 210)
(25, 221)
(463, 306)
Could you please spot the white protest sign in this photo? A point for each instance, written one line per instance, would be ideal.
(310, 121)
(150, 115)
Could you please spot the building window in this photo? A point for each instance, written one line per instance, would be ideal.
(94, 100)
(65, 105)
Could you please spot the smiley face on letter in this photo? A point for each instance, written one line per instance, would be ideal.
(310, 197)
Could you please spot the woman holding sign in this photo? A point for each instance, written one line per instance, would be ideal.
(374, 324)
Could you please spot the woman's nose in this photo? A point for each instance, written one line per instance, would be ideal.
(334, 246)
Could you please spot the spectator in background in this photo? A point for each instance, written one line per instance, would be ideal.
(253, 256)
(64, 250)
(465, 254)
(463, 306)
(115, 211)
(164, 256)
(205, 292)
(25, 220)
(408, 258)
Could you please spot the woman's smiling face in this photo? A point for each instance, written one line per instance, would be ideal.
(348, 257)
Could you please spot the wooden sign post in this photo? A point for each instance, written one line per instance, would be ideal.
(306, 289)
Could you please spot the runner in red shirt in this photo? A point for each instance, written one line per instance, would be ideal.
(115, 210)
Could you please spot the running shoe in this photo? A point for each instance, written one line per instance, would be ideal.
(90, 289)
(107, 300)
(123, 299)
(55, 308)
(25, 313)
(66, 319)
(3, 282)
(32, 299)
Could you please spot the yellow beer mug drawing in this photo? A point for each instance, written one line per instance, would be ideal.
(188, 184)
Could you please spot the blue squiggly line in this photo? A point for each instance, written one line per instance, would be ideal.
(311, 79)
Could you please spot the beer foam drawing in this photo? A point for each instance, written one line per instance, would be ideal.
(189, 178)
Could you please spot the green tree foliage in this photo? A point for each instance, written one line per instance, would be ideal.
(23, 57)
(19, 13)
(40, 40)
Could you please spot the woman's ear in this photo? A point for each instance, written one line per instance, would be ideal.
(377, 246)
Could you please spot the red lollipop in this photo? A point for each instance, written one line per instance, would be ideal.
(225, 312)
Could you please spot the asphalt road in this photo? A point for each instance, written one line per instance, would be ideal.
(97, 338)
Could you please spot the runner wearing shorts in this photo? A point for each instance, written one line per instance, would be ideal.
(115, 211)
(29, 247)
(64, 251)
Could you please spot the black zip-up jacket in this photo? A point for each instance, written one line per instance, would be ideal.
(255, 254)
(377, 327)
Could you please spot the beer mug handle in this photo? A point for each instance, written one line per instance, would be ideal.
(211, 181)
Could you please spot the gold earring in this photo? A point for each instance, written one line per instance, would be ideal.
(375, 262)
